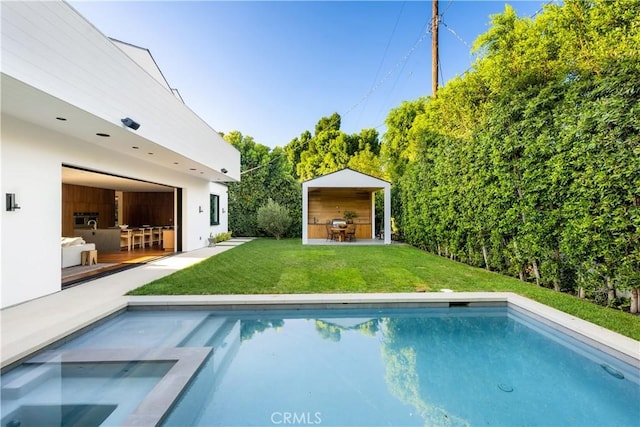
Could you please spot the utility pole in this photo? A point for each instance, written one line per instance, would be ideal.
(434, 47)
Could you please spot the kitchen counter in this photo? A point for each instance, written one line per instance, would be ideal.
(105, 239)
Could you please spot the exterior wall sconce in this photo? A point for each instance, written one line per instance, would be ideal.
(130, 123)
(200, 210)
(223, 170)
(11, 202)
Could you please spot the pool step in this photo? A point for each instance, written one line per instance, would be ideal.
(29, 381)
(202, 335)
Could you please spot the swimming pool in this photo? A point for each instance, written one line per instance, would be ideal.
(363, 367)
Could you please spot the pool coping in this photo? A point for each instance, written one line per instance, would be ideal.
(620, 346)
(610, 342)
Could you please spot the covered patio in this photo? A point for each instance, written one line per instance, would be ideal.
(327, 198)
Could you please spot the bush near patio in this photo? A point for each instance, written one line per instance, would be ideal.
(274, 219)
(269, 266)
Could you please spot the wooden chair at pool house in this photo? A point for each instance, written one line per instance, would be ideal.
(331, 235)
(350, 235)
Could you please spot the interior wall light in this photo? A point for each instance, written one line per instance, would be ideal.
(223, 170)
(130, 123)
(11, 202)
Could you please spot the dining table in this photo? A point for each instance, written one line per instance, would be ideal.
(340, 232)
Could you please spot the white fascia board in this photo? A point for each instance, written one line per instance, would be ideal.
(347, 178)
(50, 47)
(144, 58)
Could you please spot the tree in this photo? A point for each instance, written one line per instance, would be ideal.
(274, 219)
(295, 149)
(366, 162)
(330, 150)
(395, 150)
(328, 123)
(265, 174)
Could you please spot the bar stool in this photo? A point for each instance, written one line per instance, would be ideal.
(125, 239)
(148, 236)
(138, 235)
(157, 235)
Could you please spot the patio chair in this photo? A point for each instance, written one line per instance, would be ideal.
(330, 234)
(351, 233)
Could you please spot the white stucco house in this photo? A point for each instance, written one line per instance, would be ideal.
(82, 111)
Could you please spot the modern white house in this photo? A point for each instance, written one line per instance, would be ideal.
(92, 130)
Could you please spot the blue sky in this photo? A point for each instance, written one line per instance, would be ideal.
(272, 69)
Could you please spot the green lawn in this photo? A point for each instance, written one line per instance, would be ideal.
(266, 266)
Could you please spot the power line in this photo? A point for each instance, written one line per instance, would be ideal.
(452, 31)
(404, 59)
(386, 49)
(427, 30)
(446, 8)
(533, 15)
(262, 165)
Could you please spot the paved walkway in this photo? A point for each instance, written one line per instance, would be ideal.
(33, 325)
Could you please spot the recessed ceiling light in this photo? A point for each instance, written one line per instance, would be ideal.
(192, 169)
(62, 119)
(151, 154)
(175, 163)
(135, 148)
(201, 173)
(104, 135)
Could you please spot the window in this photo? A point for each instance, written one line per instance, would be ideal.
(214, 214)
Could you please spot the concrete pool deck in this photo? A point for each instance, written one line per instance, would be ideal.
(34, 325)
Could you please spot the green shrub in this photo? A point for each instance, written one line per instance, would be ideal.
(221, 237)
(274, 219)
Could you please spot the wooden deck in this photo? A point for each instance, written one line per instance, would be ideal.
(109, 263)
(135, 256)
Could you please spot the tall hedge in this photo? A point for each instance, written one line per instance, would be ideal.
(529, 164)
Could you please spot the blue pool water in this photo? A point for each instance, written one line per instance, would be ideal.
(398, 367)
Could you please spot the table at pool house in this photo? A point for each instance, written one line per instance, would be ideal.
(320, 230)
(340, 232)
